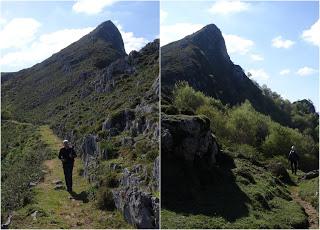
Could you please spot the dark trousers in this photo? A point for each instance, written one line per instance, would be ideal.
(67, 169)
(294, 166)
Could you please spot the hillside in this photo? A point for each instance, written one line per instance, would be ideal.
(201, 59)
(106, 103)
(225, 141)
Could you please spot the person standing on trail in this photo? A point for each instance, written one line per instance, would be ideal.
(293, 158)
(67, 155)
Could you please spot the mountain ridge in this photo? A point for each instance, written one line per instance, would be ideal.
(201, 59)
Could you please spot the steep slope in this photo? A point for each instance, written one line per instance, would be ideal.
(30, 93)
(202, 60)
(106, 103)
(225, 166)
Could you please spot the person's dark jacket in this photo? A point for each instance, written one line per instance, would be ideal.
(293, 156)
(67, 155)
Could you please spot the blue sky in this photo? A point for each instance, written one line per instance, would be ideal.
(277, 42)
(31, 31)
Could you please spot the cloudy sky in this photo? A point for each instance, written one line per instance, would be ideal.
(277, 42)
(31, 31)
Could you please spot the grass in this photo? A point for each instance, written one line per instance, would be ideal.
(50, 138)
(309, 191)
(23, 152)
(57, 209)
(246, 196)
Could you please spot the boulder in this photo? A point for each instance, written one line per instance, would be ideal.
(310, 175)
(279, 171)
(192, 138)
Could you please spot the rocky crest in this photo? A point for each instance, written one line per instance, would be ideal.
(133, 196)
(201, 59)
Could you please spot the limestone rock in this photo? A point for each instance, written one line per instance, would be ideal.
(192, 138)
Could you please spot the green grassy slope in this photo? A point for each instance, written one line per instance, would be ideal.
(240, 191)
(243, 196)
(22, 153)
(55, 208)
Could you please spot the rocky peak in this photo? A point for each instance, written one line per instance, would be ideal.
(210, 40)
(108, 32)
(305, 106)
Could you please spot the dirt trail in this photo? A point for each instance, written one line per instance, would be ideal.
(56, 208)
(312, 213)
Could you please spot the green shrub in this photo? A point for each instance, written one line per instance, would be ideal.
(152, 155)
(104, 198)
(218, 120)
(110, 148)
(185, 97)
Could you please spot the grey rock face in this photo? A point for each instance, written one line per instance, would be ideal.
(156, 173)
(191, 136)
(89, 156)
(139, 207)
(117, 70)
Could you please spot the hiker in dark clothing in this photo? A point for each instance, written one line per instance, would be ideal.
(67, 155)
(293, 158)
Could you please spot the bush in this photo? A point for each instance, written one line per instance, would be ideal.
(247, 126)
(152, 155)
(218, 120)
(110, 148)
(105, 199)
(247, 151)
(185, 97)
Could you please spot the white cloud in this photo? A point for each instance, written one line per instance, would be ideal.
(279, 42)
(170, 33)
(41, 48)
(18, 32)
(163, 15)
(91, 7)
(285, 72)
(306, 71)
(228, 7)
(313, 34)
(2, 21)
(130, 41)
(259, 74)
(237, 45)
(256, 57)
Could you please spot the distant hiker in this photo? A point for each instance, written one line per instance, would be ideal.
(67, 155)
(293, 158)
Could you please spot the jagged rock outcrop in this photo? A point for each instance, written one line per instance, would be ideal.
(133, 194)
(137, 120)
(138, 205)
(90, 154)
(188, 138)
(310, 175)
